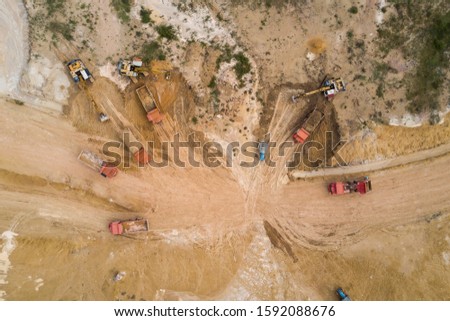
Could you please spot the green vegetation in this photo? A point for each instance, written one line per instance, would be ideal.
(242, 66)
(226, 56)
(279, 4)
(18, 102)
(356, 47)
(152, 51)
(422, 32)
(380, 70)
(353, 10)
(145, 16)
(212, 84)
(64, 29)
(166, 31)
(194, 120)
(53, 6)
(123, 8)
(214, 93)
(350, 34)
(380, 90)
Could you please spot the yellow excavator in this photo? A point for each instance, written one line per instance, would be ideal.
(132, 68)
(329, 87)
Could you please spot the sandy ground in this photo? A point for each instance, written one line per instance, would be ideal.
(216, 233)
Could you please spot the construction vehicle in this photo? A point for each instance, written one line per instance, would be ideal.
(140, 155)
(132, 68)
(361, 186)
(149, 103)
(78, 71)
(128, 226)
(103, 117)
(342, 295)
(329, 87)
(311, 123)
(96, 163)
(262, 148)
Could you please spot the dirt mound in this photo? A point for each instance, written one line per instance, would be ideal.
(317, 45)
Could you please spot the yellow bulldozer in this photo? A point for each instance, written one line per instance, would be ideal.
(132, 68)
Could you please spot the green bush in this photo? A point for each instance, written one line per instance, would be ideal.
(123, 8)
(212, 84)
(53, 6)
(225, 56)
(353, 9)
(145, 16)
(152, 51)
(167, 31)
(242, 66)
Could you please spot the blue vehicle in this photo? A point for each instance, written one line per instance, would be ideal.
(262, 148)
(342, 295)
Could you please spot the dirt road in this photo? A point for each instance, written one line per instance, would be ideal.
(374, 166)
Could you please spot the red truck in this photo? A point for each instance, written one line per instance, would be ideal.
(96, 163)
(128, 226)
(361, 186)
(311, 123)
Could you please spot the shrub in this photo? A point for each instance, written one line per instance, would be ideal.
(167, 31)
(145, 16)
(123, 8)
(242, 66)
(152, 51)
(353, 10)
(54, 6)
(226, 56)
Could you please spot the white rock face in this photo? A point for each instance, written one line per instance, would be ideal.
(46, 79)
(13, 44)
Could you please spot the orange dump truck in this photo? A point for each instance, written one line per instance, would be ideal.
(97, 164)
(311, 123)
(149, 103)
(128, 226)
(361, 186)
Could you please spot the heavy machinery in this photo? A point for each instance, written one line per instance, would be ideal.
(311, 123)
(97, 164)
(329, 87)
(342, 295)
(132, 68)
(262, 148)
(149, 103)
(128, 226)
(78, 71)
(361, 186)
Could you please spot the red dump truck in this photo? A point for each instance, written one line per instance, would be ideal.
(128, 226)
(310, 124)
(97, 164)
(361, 186)
(149, 103)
